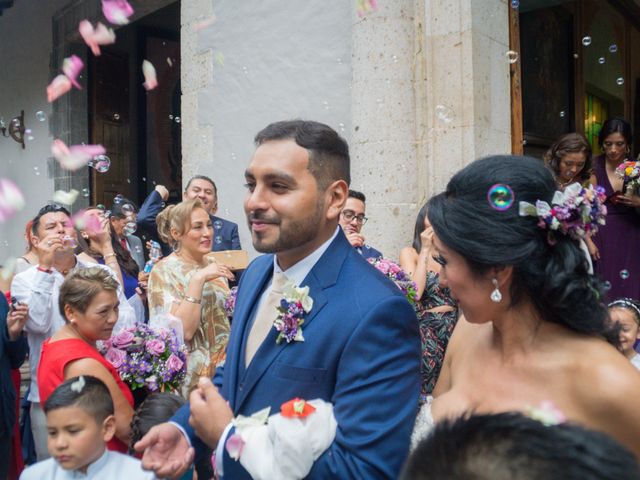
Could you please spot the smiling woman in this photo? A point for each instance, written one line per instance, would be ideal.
(89, 304)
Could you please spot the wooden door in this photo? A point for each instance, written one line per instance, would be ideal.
(110, 124)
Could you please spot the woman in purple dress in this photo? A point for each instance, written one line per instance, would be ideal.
(619, 240)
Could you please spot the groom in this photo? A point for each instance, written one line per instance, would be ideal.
(361, 348)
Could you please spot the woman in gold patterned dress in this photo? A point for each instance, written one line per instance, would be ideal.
(192, 287)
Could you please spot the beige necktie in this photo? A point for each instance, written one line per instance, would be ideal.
(265, 317)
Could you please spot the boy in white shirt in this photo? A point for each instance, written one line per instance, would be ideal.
(80, 422)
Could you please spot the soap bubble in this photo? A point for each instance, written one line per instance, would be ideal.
(395, 58)
(130, 228)
(512, 56)
(85, 192)
(218, 239)
(601, 60)
(128, 209)
(100, 163)
(624, 274)
(500, 197)
(613, 48)
(118, 198)
(36, 170)
(620, 81)
(607, 285)
(586, 40)
(217, 224)
(177, 119)
(41, 116)
(444, 113)
(515, 3)
(69, 242)
(116, 116)
(563, 114)
(100, 206)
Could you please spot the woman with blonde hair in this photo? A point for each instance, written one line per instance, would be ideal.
(192, 287)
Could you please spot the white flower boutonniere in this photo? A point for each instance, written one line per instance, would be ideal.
(295, 304)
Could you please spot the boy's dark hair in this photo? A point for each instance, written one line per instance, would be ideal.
(357, 195)
(203, 177)
(510, 446)
(156, 408)
(328, 151)
(86, 392)
(49, 208)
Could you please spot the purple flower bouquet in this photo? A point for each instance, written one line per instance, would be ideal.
(230, 302)
(398, 276)
(147, 358)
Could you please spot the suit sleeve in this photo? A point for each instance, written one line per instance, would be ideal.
(235, 238)
(148, 212)
(376, 397)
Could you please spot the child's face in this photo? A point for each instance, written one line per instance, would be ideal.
(75, 439)
(629, 329)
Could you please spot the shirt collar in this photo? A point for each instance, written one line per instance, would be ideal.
(297, 273)
(93, 468)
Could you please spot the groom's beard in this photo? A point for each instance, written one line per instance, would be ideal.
(284, 234)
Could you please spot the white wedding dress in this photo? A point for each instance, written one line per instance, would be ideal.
(424, 423)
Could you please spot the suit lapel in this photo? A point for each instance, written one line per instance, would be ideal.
(323, 275)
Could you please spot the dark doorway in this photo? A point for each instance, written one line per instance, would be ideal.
(140, 129)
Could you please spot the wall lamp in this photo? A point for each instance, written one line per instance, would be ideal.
(16, 128)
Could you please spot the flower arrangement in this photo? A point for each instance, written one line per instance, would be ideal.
(147, 358)
(398, 276)
(575, 212)
(230, 302)
(630, 172)
(295, 303)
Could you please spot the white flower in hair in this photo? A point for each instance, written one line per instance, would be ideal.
(79, 384)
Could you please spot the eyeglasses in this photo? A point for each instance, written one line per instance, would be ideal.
(349, 215)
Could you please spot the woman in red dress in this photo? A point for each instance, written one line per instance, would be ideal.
(89, 303)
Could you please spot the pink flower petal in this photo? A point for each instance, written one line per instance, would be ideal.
(11, 199)
(72, 66)
(75, 156)
(101, 35)
(117, 11)
(234, 446)
(149, 72)
(58, 87)
(202, 24)
(88, 222)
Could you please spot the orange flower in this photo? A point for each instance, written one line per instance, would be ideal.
(296, 408)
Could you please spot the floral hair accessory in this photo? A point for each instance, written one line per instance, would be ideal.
(78, 385)
(575, 212)
(296, 407)
(295, 303)
(630, 172)
(547, 414)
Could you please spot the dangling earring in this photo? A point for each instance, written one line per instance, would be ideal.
(496, 296)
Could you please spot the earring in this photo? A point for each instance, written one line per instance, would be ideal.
(496, 296)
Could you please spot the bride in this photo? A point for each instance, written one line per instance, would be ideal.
(534, 330)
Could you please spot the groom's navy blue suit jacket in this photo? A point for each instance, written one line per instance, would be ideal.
(361, 353)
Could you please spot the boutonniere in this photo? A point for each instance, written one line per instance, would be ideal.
(295, 303)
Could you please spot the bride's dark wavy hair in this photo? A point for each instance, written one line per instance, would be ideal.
(554, 278)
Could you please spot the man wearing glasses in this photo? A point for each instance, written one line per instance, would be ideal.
(352, 219)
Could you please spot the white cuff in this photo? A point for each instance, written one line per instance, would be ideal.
(219, 466)
(182, 430)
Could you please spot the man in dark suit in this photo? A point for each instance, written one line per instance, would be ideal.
(358, 348)
(352, 219)
(225, 233)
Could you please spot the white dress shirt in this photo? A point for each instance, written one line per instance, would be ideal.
(40, 290)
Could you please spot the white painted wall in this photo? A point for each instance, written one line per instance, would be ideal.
(26, 39)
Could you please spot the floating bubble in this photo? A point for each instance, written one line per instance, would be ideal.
(379, 101)
(41, 116)
(444, 113)
(339, 60)
(116, 116)
(607, 285)
(170, 117)
(144, 179)
(624, 274)
(613, 48)
(563, 114)
(177, 119)
(128, 209)
(36, 170)
(512, 56)
(69, 242)
(217, 224)
(100, 163)
(575, 55)
(524, 142)
(601, 60)
(118, 198)
(245, 70)
(218, 239)
(395, 58)
(85, 192)
(326, 105)
(169, 62)
(100, 207)
(30, 138)
(586, 40)
(130, 228)
(341, 125)
(620, 81)
(500, 197)
(515, 3)
(106, 213)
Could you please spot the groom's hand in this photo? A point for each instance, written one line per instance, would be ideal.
(210, 413)
(166, 451)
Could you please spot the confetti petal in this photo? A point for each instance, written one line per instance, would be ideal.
(75, 156)
(58, 87)
(8, 267)
(234, 446)
(67, 198)
(205, 23)
(72, 66)
(149, 72)
(11, 199)
(117, 11)
(101, 35)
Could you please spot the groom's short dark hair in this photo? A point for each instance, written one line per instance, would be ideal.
(510, 446)
(328, 152)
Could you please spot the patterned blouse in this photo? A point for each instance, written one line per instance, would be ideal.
(207, 349)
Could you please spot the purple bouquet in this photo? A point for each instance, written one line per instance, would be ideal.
(230, 302)
(147, 358)
(398, 276)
